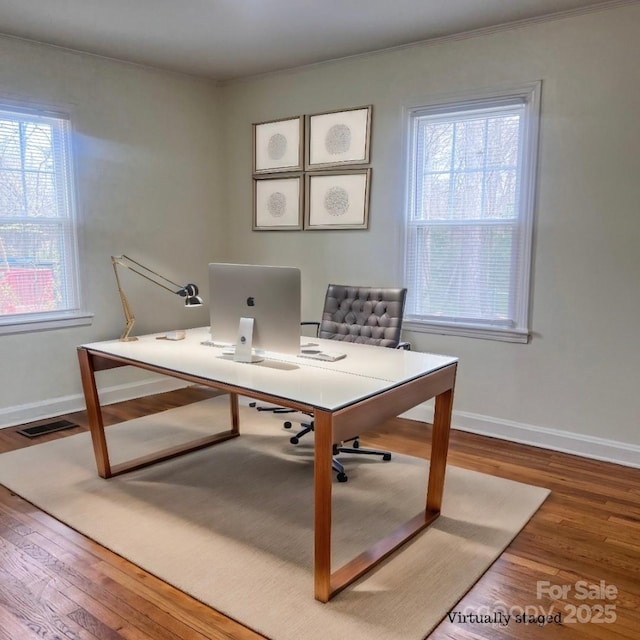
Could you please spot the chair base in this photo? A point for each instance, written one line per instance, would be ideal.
(307, 427)
(386, 455)
(341, 476)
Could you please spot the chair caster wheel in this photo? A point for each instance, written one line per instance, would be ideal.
(386, 456)
(342, 477)
(287, 425)
(294, 440)
(356, 444)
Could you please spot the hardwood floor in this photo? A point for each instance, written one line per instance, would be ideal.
(56, 583)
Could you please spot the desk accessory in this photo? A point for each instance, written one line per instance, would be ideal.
(178, 334)
(327, 356)
(188, 291)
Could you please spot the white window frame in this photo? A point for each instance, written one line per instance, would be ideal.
(529, 96)
(74, 315)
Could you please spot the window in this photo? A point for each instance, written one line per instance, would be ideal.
(38, 250)
(470, 215)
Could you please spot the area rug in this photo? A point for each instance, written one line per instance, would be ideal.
(233, 525)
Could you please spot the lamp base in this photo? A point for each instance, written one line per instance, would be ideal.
(128, 339)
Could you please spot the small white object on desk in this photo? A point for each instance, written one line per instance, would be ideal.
(327, 356)
(178, 334)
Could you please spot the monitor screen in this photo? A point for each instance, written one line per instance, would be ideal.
(269, 295)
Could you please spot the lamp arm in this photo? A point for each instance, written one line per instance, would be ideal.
(123, 260)
(188, 291)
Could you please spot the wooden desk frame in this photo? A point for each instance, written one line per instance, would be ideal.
(330, 427)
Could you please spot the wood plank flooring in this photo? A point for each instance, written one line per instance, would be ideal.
(56, 583)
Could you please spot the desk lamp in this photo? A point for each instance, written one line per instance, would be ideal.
(188, 291)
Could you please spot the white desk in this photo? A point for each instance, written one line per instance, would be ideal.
(347, 398)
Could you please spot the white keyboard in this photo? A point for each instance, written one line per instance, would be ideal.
(326, 356)
(313, 354)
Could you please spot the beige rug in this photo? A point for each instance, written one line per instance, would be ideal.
(232, 525)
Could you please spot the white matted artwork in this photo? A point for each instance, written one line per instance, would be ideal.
(339, 138)
(277, 203)
(337, 200)
(277, 145)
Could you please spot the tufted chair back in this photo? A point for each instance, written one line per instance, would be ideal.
(363, 314)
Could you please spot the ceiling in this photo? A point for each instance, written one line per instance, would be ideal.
(229, 39)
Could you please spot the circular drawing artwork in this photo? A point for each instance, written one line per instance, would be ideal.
(277, 204)
(338, 139)
(336, 201)
(277, 146)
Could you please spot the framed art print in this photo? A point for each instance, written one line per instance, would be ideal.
(337, 200)
(278, 145)
(277, 203)
(339, 138)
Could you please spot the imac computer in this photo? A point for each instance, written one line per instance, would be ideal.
(255, 309)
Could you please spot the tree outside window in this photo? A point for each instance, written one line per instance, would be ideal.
(470, 213)
(38, 252)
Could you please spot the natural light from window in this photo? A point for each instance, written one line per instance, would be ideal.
(38, 253)
(469, 217)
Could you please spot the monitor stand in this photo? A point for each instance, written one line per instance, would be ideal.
(244, 343)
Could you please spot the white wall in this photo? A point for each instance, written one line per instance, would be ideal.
(164, 164)
(148, 181)
(577, 380)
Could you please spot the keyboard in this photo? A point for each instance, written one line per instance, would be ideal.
(326, 356)
(313, 354)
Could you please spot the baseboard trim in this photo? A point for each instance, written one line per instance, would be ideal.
(21, 414)
(622, 453)
(585, 446)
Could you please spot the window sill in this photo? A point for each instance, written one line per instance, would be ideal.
(44, 322)
(468, 331)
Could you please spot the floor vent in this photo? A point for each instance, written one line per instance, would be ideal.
(49, 427)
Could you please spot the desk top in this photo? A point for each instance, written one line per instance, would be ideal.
(365, 372)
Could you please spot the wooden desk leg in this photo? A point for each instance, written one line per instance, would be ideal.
(323, 455)
(94, 413)
(235, 415)
(439, 449)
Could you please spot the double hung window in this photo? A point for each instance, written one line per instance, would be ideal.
(470, 187)
(38, 247)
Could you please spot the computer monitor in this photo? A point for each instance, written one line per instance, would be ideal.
(268, 295)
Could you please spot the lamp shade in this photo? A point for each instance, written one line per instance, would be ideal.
(190, 293)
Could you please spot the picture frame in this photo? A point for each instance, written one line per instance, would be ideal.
(278, 145)
(337, 199)
(338, 138)
(278, 203)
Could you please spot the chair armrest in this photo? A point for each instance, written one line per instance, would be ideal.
(316, 324)
(406, 346)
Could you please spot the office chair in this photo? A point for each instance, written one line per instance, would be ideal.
(364, 315)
